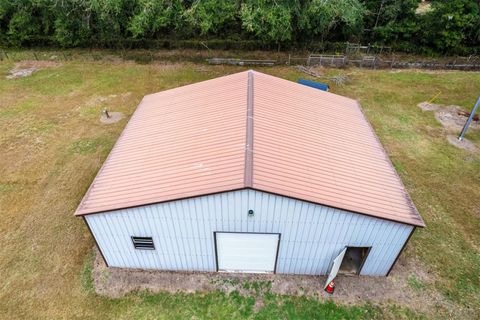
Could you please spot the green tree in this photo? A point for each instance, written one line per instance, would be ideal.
(73, 23)
(110, 19)
(211, 16)
(270, 21)
(392, 20)
(451, 25)
(156, 16)
(25, 22)
(320, 17)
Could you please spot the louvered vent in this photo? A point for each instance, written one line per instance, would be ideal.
(143, 243)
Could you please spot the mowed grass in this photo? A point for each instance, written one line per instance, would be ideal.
(52, 144)
(443, 181)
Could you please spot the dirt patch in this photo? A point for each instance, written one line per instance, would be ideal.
(464, 144)
(39, 64)
(20, 73)
(96, 105)
(259, 304)
(408, 285)
(166, 66)
(426, 106)
(28, 67)
(98, 100)
(452, 117)
(113, 117)
(424, 71)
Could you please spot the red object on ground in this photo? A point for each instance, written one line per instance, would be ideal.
(331, 287)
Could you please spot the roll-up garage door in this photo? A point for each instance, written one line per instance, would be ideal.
(246, 252)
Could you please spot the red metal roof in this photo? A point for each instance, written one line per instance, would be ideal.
(250, 130)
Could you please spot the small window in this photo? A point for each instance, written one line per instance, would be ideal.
(143, 243)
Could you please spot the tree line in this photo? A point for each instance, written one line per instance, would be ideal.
(437, 26)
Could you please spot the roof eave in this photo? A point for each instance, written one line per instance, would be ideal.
(420, 224)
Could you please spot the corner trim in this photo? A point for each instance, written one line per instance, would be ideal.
(95, 239)
(276, 256)
(401, 250)
(216, 251)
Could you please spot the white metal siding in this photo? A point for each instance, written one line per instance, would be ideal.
(311, 235)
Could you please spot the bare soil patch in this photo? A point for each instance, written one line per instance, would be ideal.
(425, 71)
(426, 106)
(96, 105)
(113, 117)
(98, 100)
(28, 67)
(453, 118)
(165, 66)
(464, 144)
(407, 286)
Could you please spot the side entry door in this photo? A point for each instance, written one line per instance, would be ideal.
(335, 267)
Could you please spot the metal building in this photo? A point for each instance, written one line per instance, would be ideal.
(249, 173)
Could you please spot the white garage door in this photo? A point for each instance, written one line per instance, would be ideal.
(246, 252)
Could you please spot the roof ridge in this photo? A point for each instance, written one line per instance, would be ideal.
(248, 177)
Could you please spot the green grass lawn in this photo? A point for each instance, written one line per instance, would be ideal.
(52, 145)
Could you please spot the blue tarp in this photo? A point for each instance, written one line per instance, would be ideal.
(313, 84)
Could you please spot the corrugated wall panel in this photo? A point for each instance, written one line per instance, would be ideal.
(311, 235)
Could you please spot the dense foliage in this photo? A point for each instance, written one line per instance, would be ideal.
(451, 26)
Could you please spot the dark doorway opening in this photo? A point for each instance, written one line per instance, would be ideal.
(354, 259)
